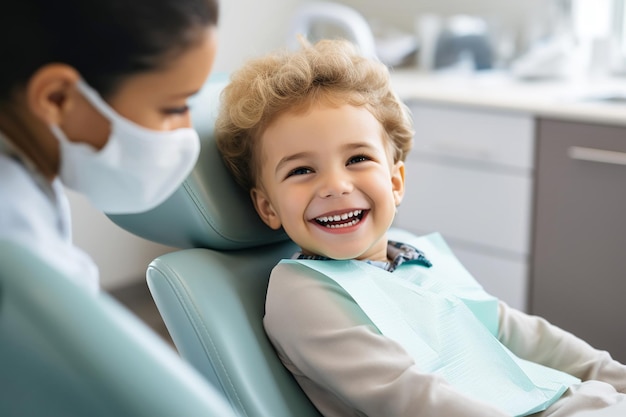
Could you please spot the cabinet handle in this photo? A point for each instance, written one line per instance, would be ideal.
(597, 155)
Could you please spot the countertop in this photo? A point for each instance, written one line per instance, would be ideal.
(556, 99)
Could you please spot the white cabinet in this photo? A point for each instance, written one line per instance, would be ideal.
(470, 177)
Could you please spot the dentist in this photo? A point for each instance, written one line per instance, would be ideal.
(93, 96)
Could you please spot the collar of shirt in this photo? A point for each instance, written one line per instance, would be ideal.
(46, 186)
(398, 252)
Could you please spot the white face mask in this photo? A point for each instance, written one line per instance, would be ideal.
(137, 169)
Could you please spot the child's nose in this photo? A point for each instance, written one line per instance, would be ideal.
(335, 185)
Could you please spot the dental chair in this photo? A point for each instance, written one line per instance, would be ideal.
(211, 293)
(65, 351)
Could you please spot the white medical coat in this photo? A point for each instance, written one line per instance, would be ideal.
(36, 214)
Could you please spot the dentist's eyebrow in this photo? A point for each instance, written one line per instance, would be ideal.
(185, 94)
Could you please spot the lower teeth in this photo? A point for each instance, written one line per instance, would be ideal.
(338, 226)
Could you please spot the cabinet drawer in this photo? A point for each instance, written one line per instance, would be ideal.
(495, 138)
(478, 206)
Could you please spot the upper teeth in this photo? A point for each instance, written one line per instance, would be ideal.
(339, 217)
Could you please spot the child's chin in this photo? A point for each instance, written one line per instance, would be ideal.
(342, 255)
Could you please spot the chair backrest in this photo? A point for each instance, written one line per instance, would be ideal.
(211, 295)
(67, 352)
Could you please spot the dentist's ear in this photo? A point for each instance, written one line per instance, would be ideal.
(264, 208)
(397, 182)
(50, 91)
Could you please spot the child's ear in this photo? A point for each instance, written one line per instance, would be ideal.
(264, 208)
(397, 182)
(50, 92)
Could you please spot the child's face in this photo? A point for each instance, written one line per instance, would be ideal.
(327, 178)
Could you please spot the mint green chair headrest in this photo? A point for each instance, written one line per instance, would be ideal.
(209, 210)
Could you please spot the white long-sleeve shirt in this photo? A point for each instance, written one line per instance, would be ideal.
(347, 368)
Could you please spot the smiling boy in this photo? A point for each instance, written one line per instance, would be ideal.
(335, 189)
(319, 140)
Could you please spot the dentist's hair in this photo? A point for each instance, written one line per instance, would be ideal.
(104, 40)
(330, 71)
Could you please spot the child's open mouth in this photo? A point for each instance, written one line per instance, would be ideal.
(346, 219)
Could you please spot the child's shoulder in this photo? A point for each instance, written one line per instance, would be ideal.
(291, 276)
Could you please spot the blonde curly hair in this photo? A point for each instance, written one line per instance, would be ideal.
(331, 71)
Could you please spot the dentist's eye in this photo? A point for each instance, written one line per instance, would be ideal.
(299, 171)
(358, 158)
(176, 110)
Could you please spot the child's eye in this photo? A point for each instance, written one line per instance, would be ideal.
(299, 171)
(358, 158)
(176, 110)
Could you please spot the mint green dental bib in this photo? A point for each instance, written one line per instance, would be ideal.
(448, 324)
